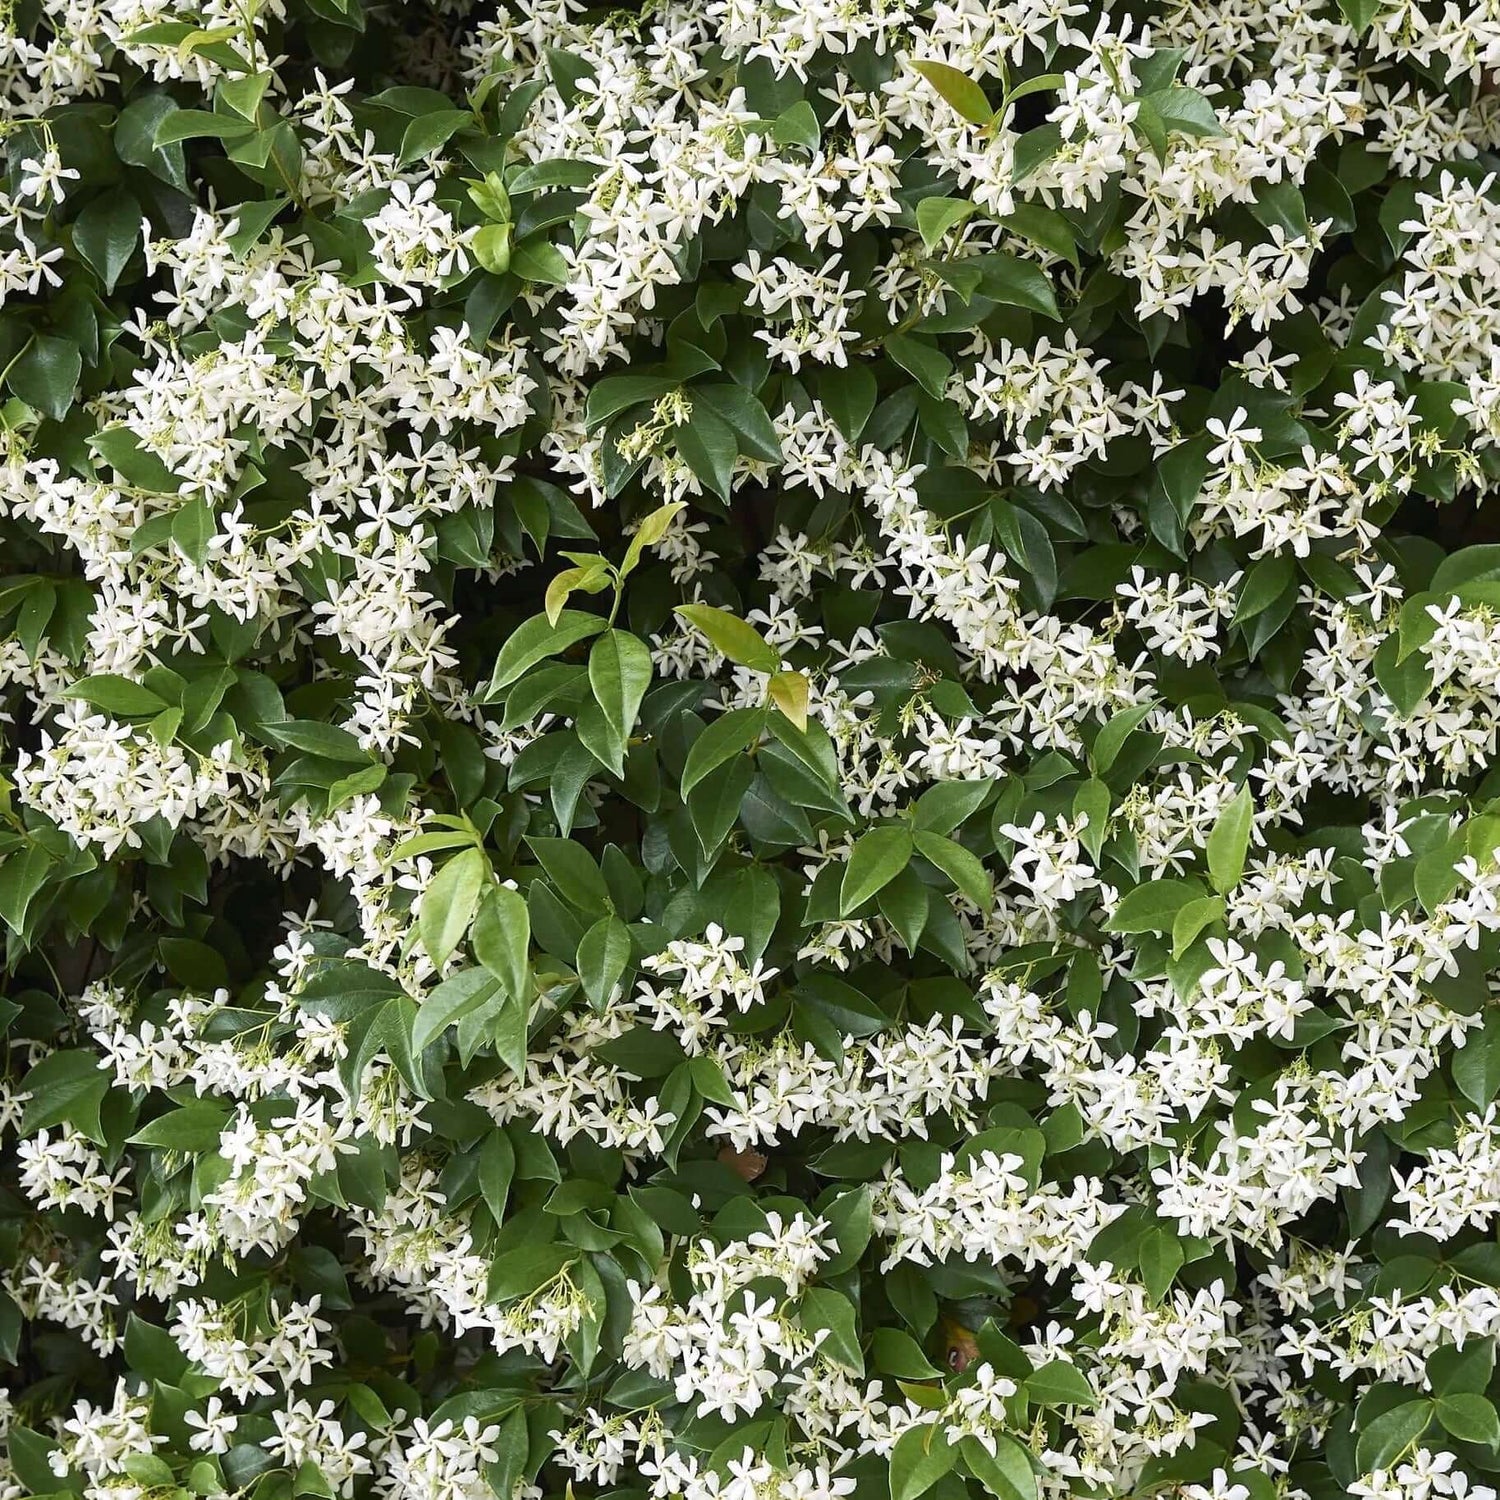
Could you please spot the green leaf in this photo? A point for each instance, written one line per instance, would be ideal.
(941, 808)
(617, 393)
(537, 259)
(1175, 110)
(1192, 919)
(1390, 1434)
(730, 636)
(431, 132)
(1452, 1369)
(450, 1002)
(707, 444)
(501, 939)
(1360, 14)
(1476, 1061)
(921, 1457)
(1229, 841)
(896, 1353)
(193, 1128)
(65, 1087)
(316, 738)
(725, 737)
(1152, 907)
(252, 220)
(797, 126)
(134, 139)
(527, 1268)
(1161, 1257)
(538, 639)
(1060, 1384)
(1005, 1473)
(135, 466)
(198, 124)
(1016, 282)
(922, 360)
(822, 1310)
(106, 233)
(243, 95)
(118, 696)
(1111, 738)
(550, 174)
(45, 375)
(962, 93)
(904, 904)
(619, 674)
(1045, 227)
(963, 868)
(603, 955)
(876, 860)
(193, 528)
(936, 216)
(1469, 1417)
(753, 428)
(449, 903)
(571, 868)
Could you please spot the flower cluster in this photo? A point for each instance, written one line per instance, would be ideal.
(749, 749)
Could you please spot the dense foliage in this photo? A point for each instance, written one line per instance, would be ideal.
(750, 751)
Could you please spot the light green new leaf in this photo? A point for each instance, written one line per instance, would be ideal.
(731, 636)
(959, 90)
(1229, 842)
(449, 903)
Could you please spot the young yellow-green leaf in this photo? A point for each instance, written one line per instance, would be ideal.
(877, 859)
(491, 245)
(730, 636)
(959, 90)
(649, 533)
(1229, 842)
(788, 692)
(449, 903)
(590, 579)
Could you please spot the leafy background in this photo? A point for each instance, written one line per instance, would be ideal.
(840, 656)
